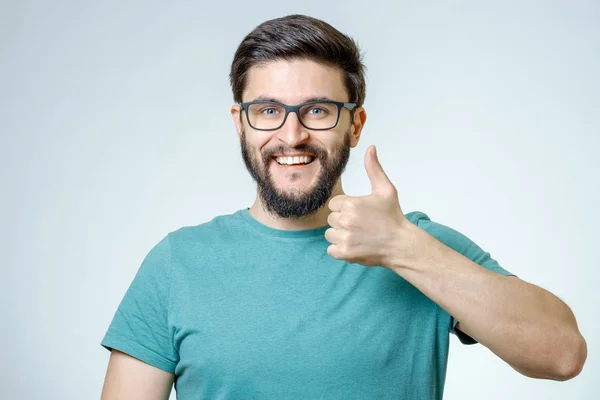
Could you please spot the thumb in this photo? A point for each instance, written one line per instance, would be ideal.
(379, 180)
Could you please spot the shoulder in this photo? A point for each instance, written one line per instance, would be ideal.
(206, 234)
(457, 241)
(445, 234)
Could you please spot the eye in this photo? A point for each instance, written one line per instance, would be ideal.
(317, 111)
(269, 111)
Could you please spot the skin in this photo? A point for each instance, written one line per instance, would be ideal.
(128, 378)
(525, 325)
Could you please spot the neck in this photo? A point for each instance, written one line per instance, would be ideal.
(316, 220)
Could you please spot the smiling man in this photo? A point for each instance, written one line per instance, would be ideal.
(296, 154)
(311, 293)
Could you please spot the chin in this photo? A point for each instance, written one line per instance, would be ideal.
(294, 192)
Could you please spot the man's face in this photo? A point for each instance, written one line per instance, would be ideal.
(295, 191)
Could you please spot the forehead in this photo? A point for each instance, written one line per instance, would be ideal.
(295, 81)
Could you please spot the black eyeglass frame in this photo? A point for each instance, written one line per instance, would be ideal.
(296, 109)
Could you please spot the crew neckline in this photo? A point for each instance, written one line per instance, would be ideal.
(267, 230)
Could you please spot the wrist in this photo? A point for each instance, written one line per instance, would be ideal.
(410, 248)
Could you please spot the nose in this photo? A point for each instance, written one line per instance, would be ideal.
(292, 132)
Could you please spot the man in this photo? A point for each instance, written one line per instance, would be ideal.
(310, 293)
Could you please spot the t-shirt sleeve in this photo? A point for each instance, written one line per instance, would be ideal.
(462, 244)
(140, 326)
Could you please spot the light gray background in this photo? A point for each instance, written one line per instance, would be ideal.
(115, 129)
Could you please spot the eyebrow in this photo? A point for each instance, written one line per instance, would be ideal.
(273, 99)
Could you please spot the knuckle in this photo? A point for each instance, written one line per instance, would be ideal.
(344, 250)
(348, 237)
(351, 204)
(345, 220)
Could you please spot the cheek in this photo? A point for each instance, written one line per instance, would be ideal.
(334, 147)
(257, 143)
(262, 140)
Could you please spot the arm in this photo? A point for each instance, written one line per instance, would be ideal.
(129, 378)
(528, 327)
(143, 356)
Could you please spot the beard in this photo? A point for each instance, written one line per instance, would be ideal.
(296, 204)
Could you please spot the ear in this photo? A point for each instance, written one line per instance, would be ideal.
(236, 114)
(358, 122)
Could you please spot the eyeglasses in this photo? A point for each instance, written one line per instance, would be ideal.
(319, 115)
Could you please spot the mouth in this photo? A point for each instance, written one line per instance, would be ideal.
(294, 161)
(293, 167)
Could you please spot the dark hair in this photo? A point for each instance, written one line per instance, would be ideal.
(299, 36)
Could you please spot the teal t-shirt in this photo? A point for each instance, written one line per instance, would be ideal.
(238, 310)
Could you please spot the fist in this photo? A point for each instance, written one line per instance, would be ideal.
(366, 229)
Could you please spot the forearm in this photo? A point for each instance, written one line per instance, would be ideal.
(527, 326)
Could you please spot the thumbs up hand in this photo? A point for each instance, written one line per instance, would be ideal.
(367, 229)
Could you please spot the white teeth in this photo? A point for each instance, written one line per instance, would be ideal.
(294, 160)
